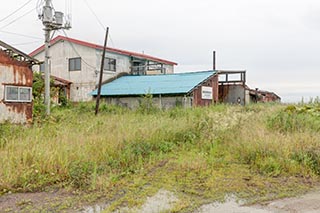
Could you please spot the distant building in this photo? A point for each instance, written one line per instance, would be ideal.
(262, 96)
(233, 90)
(169, 90)
(79, 62)
(16, 80)
(232, 87)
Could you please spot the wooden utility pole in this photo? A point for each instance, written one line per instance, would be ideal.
(101, 71)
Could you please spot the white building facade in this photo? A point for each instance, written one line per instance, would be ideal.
(79, 62)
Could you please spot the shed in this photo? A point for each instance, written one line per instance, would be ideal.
(16, 80)
(169, 90)
(262, 96)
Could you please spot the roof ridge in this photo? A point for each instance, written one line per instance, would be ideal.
(97, 46)
(170, 74)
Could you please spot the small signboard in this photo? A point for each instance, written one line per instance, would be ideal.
(206, 93)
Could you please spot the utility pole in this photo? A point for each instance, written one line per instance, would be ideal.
(51, 22)
(101, 71)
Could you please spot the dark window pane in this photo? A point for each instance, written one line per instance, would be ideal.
(41, 67)
(25, 94)
(74, 64)
(110, 64)
(12, 94)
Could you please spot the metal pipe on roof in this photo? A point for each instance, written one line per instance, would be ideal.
(214, 60)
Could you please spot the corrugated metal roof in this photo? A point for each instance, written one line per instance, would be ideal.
(179, 83)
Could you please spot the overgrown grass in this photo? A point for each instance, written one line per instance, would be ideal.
(203, 154)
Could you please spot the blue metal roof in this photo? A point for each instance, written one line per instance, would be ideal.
(179, 83)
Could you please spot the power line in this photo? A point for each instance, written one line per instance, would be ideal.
(25, 4)
(39, 5)
(99, 21)
(17, 18)
(95, 15)
(18, 34)
(26, 43)
(111, 41)
(75, 50)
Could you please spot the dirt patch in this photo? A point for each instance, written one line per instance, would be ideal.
(231, 205)
(163, 201)
(26, 202)
(308, 203)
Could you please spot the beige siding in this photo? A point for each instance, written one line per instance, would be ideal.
(84, 81)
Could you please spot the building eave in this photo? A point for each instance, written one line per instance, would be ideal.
(99, 47)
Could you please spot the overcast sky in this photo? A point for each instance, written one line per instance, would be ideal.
(276, 41)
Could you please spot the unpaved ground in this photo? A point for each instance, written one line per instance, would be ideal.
(308, 203)
(35, 202)
(163, 201)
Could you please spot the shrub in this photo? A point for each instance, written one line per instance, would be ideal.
(294, 119)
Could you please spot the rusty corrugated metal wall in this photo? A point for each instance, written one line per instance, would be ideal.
(14, 73)
(197, 93)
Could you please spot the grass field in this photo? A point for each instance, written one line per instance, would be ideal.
(257, 152)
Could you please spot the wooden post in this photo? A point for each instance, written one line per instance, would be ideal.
(101, 71)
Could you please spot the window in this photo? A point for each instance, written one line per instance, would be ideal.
(18, 94)
(74, 64)
(109, 64)
(41, 67)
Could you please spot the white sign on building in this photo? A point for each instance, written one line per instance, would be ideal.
(206, 93)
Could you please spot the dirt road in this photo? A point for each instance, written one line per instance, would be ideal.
(160, 202)
(308, 203)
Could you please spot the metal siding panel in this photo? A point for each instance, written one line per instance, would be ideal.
(15, 73)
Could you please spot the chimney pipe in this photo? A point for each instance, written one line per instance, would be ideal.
(214, 60)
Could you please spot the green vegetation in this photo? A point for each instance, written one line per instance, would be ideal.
(258, 152)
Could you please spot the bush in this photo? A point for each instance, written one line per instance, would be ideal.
(146, 105)
(294, 119)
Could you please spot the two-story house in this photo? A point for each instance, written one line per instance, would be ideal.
(79, 63)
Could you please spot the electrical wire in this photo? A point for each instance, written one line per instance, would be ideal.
(26, 43)
(75, 50)
(14, 12)
(39, 6)
(95, 15)
(111, 41)
(99, 22)
(18, 34)
(68, 8)
(28, 12)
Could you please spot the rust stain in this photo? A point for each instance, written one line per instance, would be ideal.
(223, 92)
(22, 75)
(211, 82)
(21, 70)
(21, 108)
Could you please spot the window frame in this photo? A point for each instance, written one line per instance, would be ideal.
(110, 64)
(19, 100)
(75, 67)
